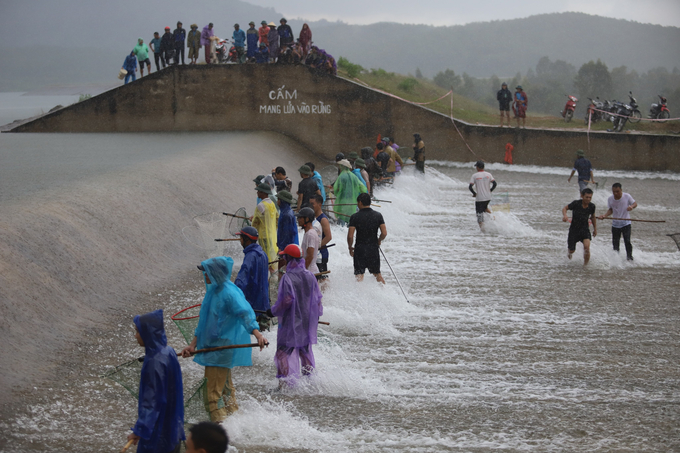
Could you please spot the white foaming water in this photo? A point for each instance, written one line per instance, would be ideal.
(544, 170)
(505, 344)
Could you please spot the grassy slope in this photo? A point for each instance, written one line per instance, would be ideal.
(470, 111)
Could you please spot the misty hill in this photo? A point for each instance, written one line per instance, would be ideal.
(503, 47)
(76, 41)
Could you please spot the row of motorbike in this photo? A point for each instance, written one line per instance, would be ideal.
(619, 113)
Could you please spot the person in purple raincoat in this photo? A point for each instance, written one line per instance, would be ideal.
(298, 309)
(206, 36)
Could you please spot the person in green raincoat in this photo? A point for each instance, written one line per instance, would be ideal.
(346, 189)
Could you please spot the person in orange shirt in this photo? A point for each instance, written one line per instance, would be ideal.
(508, 153)
(264, 33)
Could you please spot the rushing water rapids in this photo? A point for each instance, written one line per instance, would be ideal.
(505, 344)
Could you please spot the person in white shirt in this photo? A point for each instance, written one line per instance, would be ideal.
(620, 204)
(310, 242)
(485, 184)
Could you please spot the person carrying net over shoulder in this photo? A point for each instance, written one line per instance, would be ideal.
(225, 319)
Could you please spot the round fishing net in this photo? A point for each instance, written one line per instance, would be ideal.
(196, 407)
(238, 221)
(676, 238)
(128, 375)
(204, 231)
(186, 321)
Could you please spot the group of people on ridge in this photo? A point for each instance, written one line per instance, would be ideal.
(519, 101)
(266, 44)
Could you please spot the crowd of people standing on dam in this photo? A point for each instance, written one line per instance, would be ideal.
(268, 44)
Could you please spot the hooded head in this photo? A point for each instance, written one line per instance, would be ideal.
(150, 328)
(140, 41)
(218, 270)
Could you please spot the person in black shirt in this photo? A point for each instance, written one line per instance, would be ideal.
(366, 250)
(168, 46)
(504, 97)
(581, 210)
(307, 188)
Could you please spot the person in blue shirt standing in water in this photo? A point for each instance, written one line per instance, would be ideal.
(160, 413)
(253, 277)
(584, 169)
(287, 231)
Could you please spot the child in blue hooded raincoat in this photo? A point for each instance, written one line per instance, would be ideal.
(226, 318)
(160, 414)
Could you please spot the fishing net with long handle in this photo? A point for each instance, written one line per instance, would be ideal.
(127, 375)
(186, 321)
(196, 408)
(237, 221)
(676, 238)
(202, 234)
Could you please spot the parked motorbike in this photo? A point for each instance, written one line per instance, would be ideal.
(594, 112)
(221, 51)
(609, 107)
(568, 112)
(660, 111)
(635, 115)
(236, 55)
(623, 114)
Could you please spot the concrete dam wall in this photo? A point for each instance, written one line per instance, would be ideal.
(329, 114)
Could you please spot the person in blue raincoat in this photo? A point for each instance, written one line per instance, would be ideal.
(262, 54)
(252, 36)
(226, 318)
(239, 37)
(253, 277)
(316, 176)
(287, 231)
(130, 65)
(160, 413)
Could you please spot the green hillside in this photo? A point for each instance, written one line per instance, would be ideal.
(471, 111)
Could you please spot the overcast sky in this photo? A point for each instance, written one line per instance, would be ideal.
(458, 12)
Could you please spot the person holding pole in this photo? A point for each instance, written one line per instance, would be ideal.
(160, 413)
(620, 204)
(298, 308)
(366, 251)
(253, 277)
(579, 231)
(226, 318)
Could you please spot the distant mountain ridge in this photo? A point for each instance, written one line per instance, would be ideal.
(503, 47)
(72, 41)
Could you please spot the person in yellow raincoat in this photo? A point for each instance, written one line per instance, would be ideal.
(265, 220)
